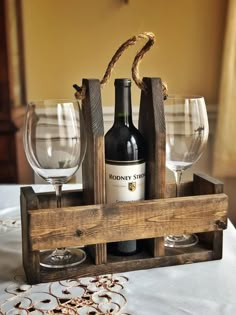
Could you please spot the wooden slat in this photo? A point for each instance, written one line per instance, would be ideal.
(152, 127)
(204, 184)
(69, 198)
(29, 200)
(186, 189)
(93, 168)
(128, 263)
(51, 228)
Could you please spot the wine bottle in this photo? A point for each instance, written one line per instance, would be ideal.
(124, 159)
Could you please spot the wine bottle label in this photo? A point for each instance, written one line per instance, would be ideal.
(125, 181)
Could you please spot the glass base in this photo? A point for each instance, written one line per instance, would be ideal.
(62, 257)
(181, 241)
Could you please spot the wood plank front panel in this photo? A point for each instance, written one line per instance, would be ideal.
(84, 225)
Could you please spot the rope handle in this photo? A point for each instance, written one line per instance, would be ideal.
(81, 92)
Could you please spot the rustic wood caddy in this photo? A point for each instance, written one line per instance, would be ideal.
(85, 219)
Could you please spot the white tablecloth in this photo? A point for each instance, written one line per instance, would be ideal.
(197, 289)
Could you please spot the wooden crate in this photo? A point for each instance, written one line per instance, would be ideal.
(86, 220)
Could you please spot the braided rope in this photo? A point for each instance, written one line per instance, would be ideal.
(131, 41)
(139, 56)
(81, 92)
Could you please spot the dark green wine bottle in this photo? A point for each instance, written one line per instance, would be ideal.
(124, 158)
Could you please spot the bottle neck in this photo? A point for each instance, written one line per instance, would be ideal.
(123, 107)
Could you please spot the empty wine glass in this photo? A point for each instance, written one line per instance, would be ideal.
(55, 144)
(186, 137)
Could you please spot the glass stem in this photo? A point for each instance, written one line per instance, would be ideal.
(178, 176)
(58, 189)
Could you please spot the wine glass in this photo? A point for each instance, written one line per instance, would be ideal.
(55, 145)
(186, 137)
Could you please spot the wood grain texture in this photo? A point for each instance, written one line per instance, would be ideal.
(122, 264)
(29, 200)
(93, 168)
(51, 228)
(69, 199)
(186, 189)
(152, 127)
(204, 184)
(158, 246)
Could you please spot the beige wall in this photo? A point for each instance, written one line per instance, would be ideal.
(66, 40)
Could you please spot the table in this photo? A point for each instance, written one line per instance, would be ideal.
(202, 288)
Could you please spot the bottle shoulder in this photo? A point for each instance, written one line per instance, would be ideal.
(123, 131)
(122, 135)
(124, 143)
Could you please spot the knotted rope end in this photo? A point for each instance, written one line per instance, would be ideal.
(80, 92)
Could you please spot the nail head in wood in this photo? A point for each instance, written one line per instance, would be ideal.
(79, 232)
